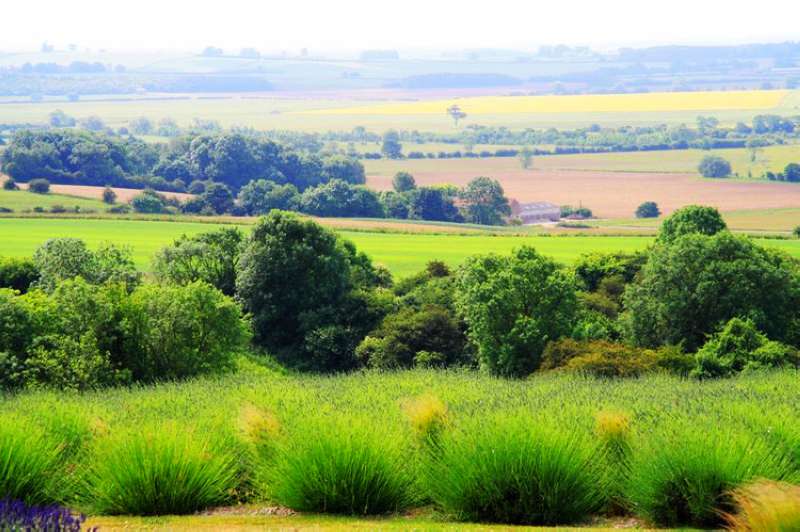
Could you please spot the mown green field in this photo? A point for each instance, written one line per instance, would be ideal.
(402, 253)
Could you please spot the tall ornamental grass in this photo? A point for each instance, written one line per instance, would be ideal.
(686, 478)
(341, 465)
(766, 506)
(511, 469)
(29, 462)
(158, 471)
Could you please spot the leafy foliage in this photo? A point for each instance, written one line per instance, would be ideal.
(690, 220)
(513, 307)
(691, 287)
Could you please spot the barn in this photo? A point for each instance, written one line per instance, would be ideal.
(542, 211)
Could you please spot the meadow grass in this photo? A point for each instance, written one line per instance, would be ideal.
(404, 254)
(712, 436)
(29, 462)
(19, 200)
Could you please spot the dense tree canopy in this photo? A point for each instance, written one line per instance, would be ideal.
(514, 305)
(306, 291)
(690, 286)
(485, 202)
(689, 220)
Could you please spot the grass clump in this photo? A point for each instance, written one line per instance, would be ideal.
(428, 417)
(158, 471)
(765, 506)
(29, 463)
(687, 480)
(342, 466)
(514, 470)
(613, 432)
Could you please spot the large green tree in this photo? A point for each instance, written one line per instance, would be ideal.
(485, 202)
(691, 286)
(691, 219)
(514, 305)
(307, 292)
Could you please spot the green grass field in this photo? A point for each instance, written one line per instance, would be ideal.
(20, 200)
(403, 253)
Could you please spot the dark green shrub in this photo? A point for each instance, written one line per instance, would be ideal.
(591, 269)
(694, 285)
(158, 471)
(648, 209)
(340, 465)
(149, 202)
(307, 292)
(174, 332)
(17, 274)
(600, 358)
(58, 209)
(122, 208)
(408, 332)
(10, 184)
(514, 470)
(109, 196)
(714, 166)
(513, 307)
(691, 220)
(39, 186)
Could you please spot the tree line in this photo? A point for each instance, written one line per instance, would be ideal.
(700, 302)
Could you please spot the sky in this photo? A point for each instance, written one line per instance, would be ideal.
(349, 25)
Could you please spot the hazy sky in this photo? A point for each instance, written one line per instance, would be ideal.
(355, 24)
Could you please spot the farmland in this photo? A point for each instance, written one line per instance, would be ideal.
(403, 253)
(610, 194)
(320, 111)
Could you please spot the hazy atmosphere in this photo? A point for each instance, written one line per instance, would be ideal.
(413, 24)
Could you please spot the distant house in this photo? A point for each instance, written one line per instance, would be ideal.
(542, 211)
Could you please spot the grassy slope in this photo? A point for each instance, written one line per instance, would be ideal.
(23, 200)
(402, 253)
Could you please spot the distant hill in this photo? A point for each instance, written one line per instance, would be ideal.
(455, 81)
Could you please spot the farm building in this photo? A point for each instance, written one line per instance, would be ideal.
(542, 211)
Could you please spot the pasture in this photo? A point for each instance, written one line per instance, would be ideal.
(255, 417)
(403, 253)
(20, 200)
(610, 194)
(379, 109)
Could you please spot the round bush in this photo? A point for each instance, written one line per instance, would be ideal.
(28, 462)
(157, 471)
(39, 186)
(687, 481)
(513, 470)
(342, 467)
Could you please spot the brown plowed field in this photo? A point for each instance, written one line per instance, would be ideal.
(608, 194)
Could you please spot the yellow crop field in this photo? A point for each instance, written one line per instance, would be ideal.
(589, 103)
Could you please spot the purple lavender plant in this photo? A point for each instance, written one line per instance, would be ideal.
(17, 516)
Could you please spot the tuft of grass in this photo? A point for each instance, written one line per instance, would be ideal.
(515, 470)
(428, 417)
(159, 470)
(29, 462)
(687, 480)
(765, 506)
(342, 466)
(613, 432)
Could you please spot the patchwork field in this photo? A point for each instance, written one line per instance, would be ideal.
(403, 253)
(609, 194)
(380, 109)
